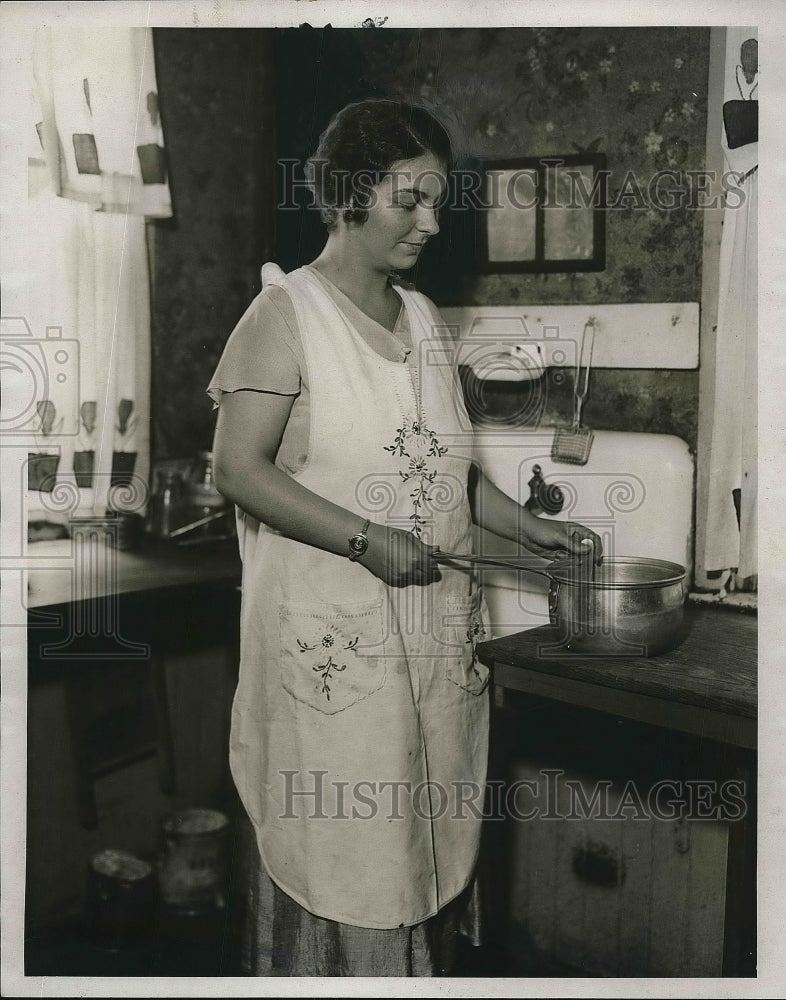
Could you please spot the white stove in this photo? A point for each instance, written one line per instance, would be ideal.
(636, 492)
(636, 489)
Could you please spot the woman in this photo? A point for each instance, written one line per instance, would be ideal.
(359, 726)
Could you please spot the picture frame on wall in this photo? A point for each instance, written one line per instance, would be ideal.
(544, 215)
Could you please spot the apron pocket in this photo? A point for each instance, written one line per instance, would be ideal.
(464, 625)
(332, 656)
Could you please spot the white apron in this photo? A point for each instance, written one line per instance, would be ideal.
(360, 721)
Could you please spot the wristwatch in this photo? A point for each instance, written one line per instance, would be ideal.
(359, 543)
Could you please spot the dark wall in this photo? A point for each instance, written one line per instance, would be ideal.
(636, 94)
(218, 120)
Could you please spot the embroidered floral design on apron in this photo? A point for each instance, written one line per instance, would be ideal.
(346, 681)
(418, 436)
(464, 623)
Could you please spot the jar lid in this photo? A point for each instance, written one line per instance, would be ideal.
(193, 822)
(121, 865)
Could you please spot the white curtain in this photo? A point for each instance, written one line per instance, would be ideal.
(99, 118)
(96, 171)
(731, 526)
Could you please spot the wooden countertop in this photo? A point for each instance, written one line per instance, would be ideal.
(706, 685)
(54, 577)
(116, 607)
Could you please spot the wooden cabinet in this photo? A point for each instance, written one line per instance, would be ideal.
(643, 893)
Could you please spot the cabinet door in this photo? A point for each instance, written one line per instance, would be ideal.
(629, 895)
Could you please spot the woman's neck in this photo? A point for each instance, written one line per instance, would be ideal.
(364, 284)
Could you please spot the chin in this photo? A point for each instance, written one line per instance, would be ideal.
(405, 262)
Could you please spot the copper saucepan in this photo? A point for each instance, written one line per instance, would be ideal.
(624, 607)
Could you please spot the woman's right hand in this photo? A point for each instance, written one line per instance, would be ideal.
(398, 558)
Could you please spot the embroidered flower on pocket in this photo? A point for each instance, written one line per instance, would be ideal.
(331, 656)
(330, 666)
(325, 671)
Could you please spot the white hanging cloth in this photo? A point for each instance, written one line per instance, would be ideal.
(97, 173)
(100, 125)
(733, 448)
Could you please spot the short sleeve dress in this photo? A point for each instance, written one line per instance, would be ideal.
(294, 928)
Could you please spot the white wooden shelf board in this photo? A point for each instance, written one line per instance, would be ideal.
(627, 335)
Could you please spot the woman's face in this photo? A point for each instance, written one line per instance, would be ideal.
(403, 214)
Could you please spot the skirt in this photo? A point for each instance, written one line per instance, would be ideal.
(281, 938)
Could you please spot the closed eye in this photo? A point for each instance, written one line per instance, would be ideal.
(410, 201)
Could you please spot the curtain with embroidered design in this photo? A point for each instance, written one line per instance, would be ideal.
(97, 171)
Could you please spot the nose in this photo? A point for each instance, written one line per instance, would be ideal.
(427, 220)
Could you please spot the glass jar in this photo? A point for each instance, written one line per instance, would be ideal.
(192, 863)
(166, 510)
(204, 499)
(120, 900)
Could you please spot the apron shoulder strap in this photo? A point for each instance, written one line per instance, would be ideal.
(432, 325)
(272, 274)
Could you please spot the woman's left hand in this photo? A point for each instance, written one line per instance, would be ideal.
(550, 538)
(498, 512)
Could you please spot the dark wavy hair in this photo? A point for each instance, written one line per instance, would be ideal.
(358, 148)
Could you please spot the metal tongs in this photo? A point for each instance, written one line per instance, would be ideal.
(581, 566)
(532, 563)
(584, 562)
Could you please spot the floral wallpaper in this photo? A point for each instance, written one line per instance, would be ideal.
(638, 95)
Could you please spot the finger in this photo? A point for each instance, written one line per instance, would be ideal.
(425, 571)
(597, 545)
(582, 543)
(583, 538)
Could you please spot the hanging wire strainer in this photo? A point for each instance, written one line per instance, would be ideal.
(572, 444)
